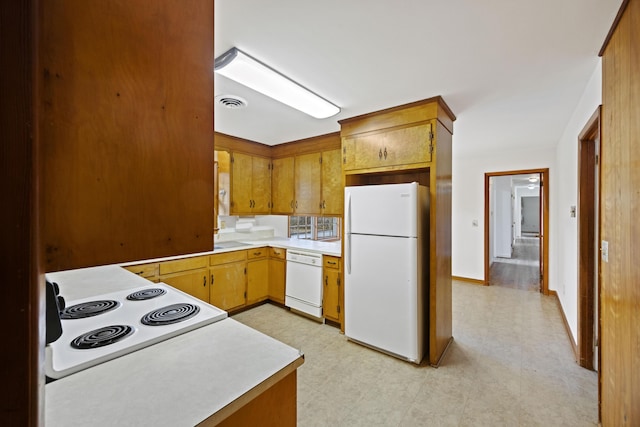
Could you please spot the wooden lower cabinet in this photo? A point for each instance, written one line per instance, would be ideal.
(277, 274)
(148, 271)
(188, 275)
(332, 279)
(193, 282)
(228, 279)
(257, 275)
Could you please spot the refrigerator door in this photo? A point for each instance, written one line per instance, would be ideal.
(389, 209)
(383, 302)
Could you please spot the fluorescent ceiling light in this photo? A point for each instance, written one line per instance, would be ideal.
(531, 186)
(533, 179)
(244, 69)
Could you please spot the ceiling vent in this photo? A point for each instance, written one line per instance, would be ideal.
(231, 101)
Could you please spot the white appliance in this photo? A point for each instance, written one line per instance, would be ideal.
(386, 252)
(106, 326)
(304, 282)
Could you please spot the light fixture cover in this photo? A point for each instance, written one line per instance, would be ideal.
(533, 179)
(242, 68)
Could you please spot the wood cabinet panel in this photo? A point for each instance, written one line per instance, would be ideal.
(148, 271)
(194, 283)
(241, 179)
(332, 279)
(182, 264)
(308, 175)
(277, 274)
(392, 147)
(257, 280)
(228, 285)
(226, 257)
(261, 185)
(257, 253)
(120, 160)
(282, 186)
(332, 189)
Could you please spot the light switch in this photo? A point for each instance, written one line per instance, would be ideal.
(572, 211)
(605, 251)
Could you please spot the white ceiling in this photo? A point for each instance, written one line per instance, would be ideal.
(512, 71)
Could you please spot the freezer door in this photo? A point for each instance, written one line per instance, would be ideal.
(389, 209)
(383, 302)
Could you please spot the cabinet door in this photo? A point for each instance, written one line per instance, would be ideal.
(330, 303)
(282, 186)
(260, 185)
(277, 268)
(241, 178)
(193, 282)
(308, 181)
(228, 285)
(257, 280)
(331, 183)
(390, 148)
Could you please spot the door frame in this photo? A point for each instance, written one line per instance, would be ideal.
(544, 230)
(588, 232)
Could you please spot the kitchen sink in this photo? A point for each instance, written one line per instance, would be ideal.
(228, 245)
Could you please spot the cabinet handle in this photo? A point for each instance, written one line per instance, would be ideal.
(212, 280)
(326, 280)
(380, 154)
(385, 153)
(324, 204)
(292, 204)
(257, 253)
(204, 281)
(331, 262)
(296, 204)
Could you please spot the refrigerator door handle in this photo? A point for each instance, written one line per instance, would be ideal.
(348, 232)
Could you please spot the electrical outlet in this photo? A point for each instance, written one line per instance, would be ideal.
(604, 250)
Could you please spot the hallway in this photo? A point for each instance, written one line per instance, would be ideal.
(522, 270)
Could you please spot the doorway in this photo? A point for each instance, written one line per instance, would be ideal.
(588, 238)
(516, 229)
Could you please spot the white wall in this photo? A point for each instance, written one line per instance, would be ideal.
(566, 278)
(522, 192)
(468, 202)
(500, 226)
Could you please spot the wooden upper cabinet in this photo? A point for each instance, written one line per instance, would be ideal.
(250, 184)
(282, 186)
(308, 175)
(389, 148)
(331, 198)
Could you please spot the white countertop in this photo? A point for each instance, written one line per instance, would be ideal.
(325, 248)
(178, 382)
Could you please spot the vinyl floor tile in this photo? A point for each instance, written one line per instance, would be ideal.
(510, 364)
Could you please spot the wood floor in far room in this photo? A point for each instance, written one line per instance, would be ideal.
(522, 270)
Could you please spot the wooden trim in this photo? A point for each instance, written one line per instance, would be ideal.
(470, 280)
(226, 142)
(544, 286)
(437, 99)
(588, 205)
(330, 141)
(574, 346)
(21, 261)
(623, 7)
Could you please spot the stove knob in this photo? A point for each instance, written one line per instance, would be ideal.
(56, 288)
(61, 303)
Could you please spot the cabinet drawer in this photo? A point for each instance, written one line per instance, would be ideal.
(257, 253)
(277, 253)
(227, 257)
(331, 262)
(184, 264)
(144, 270)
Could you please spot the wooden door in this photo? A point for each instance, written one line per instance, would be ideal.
(331, 183)
(228, 285)
(260, 185)
(308, 174)
(277, 268)
(408, 145)
(282, 186)
(241, 177)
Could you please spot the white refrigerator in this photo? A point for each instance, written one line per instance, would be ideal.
(386, 268)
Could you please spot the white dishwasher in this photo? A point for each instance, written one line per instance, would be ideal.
(304, 282)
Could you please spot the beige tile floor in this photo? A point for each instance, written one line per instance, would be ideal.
(510, 364)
